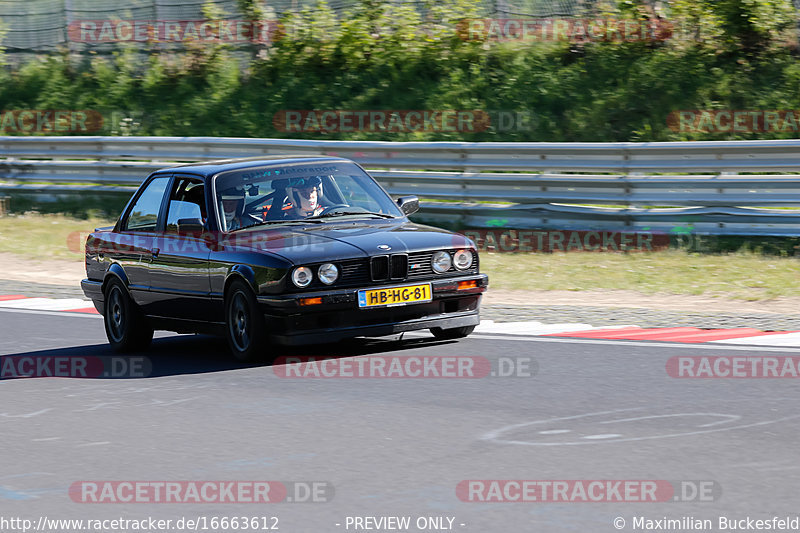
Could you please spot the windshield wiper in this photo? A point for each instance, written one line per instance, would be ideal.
(268, 222)
(346, 213)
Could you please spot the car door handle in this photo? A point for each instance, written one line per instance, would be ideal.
(155, 252)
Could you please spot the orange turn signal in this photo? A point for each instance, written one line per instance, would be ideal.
(310, 301)
(467, 285)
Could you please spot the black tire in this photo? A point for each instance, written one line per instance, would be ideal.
(127, 328)
(244, 324)
(452, 333)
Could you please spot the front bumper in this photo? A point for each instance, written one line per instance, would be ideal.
(339, 317)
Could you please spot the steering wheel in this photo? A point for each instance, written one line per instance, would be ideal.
(332, 207)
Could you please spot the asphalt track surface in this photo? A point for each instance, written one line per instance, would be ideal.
(395, 447)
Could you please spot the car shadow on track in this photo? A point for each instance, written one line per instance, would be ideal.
(180, 354)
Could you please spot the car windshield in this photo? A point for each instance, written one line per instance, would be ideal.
(304, 191)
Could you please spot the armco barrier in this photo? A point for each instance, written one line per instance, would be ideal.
(519, 184)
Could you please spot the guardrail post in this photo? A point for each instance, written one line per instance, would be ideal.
(627, 187)
(463, 192)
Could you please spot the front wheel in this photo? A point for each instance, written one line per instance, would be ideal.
(452, 333)
(126, 327)
(244, 323)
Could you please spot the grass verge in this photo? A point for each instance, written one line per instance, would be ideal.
(739, 275)
(45, 237)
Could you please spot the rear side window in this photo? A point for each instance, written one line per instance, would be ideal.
(187, 201)
(144, 214)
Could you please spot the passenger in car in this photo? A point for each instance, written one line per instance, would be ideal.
(306, 196)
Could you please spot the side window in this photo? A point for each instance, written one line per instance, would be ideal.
(186, 201)
(144, 214)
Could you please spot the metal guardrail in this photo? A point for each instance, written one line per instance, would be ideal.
(704, 178)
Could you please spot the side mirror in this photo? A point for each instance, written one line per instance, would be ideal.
(408, 204)
(190, 225)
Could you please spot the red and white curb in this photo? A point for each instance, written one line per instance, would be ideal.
(740, 336)
(68, 305)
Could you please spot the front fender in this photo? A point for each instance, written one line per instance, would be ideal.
(245, 272)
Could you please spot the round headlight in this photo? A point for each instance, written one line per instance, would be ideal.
(328, 273)
(302, 276)
(462, 259)
(441, 262)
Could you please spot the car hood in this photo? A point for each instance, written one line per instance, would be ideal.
(333, 241)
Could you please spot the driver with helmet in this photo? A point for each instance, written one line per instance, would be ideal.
(232, 207)
(305, 195)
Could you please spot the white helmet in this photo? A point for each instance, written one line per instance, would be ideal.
(231, 205)
(298, 184)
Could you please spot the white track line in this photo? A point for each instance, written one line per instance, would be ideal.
(534, 328)
(785, 339)
(47, 304)
(645, 344)
(51, 313)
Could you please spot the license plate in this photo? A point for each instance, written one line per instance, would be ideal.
(388, 296)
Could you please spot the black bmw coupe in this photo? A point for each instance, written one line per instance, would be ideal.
(284, 250)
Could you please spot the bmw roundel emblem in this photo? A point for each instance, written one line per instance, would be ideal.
(384, 247)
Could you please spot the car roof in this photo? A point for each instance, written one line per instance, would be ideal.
(210, 168)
